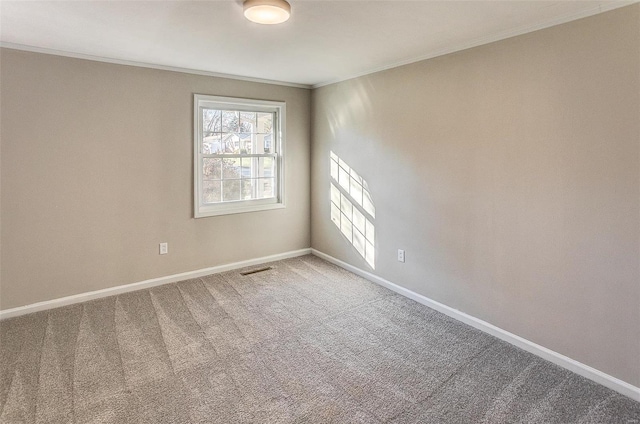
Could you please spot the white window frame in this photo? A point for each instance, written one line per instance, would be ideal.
(278, 143)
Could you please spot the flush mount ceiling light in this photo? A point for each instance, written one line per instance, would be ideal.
(267, 12)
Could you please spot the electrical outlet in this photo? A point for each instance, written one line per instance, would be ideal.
(400, 255)
(164, 248)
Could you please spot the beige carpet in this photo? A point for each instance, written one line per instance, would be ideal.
(305, 342)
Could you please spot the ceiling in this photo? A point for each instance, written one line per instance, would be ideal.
(323, 42)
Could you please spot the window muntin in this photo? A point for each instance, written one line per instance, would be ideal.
(238, 156)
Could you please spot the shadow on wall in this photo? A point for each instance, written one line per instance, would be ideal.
(352, 209)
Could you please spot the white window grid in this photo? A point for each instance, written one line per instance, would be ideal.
(267, 191)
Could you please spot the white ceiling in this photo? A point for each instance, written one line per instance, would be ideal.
(324, 41)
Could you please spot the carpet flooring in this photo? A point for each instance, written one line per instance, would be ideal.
(305, 342)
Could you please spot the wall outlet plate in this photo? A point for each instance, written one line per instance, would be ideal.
(400, 255)
(164, 248)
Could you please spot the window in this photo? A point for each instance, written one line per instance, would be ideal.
(238, 155)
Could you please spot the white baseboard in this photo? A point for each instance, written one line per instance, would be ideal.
(579, 368)
(83, 297)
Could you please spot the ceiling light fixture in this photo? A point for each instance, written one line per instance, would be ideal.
(268, 12)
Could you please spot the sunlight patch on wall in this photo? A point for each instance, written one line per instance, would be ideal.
(352, 108)
(352, 209)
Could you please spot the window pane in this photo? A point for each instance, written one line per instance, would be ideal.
(231, 190)
(231, 168)
(267, 144)
(266, 167)
(248, 188)
(212, 144)
(247, 122)
(245, 142)
(261, 143)
(246, 167)
(231, 143)
(211, 191)
(259, 167)
(211, 169)
(266, 188)
(211, 120)
(265, 123)
(230, 121)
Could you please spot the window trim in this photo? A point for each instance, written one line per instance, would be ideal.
(241, 104)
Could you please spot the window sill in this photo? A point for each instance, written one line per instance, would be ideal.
(206, 212)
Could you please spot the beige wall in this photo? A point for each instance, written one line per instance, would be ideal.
(97, 169)
(510, 173)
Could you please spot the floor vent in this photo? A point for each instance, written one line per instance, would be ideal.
(255, 271)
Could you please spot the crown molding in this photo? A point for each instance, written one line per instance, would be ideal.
(33, 49)
(604, 6)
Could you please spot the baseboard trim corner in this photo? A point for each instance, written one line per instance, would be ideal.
(579, 368)
(111, 291)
